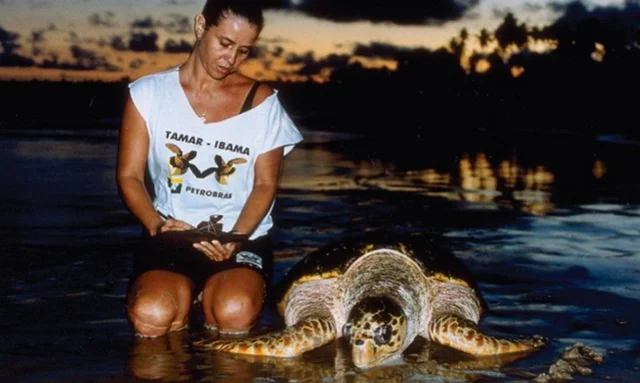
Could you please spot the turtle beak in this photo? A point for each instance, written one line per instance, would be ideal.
(363, 353)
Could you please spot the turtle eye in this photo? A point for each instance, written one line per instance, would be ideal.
(382, 335)
(346, 331)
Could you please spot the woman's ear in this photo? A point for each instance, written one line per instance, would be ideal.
(199, 26)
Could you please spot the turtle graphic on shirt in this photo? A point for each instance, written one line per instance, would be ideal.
(180, 161)
(225, 169)
(221, 172)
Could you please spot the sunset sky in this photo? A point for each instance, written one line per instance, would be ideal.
(111, 39)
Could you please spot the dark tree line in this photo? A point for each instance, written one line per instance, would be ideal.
(587, 83)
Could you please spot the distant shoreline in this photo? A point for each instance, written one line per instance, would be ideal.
(395, 107)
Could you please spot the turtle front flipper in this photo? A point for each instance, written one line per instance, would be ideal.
(307, 334)
(463, 335)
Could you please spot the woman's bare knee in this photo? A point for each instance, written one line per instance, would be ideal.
(237, 312)
(233, 302)
(151, 313)
(158, 304)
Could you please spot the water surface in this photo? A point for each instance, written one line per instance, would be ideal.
(549, 225)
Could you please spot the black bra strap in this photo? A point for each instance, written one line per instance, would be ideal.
(248, 102)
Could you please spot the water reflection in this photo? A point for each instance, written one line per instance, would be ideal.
(171, 358)
(529, 189)
(599, 169)
(163, 358)
(478, 178)
(524, 178)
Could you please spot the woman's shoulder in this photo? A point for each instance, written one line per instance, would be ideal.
(154, 79)
(262, 92)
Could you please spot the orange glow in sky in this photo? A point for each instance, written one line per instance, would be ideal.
(86, 32)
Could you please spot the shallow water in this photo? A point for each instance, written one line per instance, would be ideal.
(549, 225)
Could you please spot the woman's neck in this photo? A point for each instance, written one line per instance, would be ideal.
(193, 74)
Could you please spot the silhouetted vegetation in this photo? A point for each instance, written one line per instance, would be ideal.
(585, 83)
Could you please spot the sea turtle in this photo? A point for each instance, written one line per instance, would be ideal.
(379, 292)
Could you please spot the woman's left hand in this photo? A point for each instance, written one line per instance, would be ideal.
(216, 251)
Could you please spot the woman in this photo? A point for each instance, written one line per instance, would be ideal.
(213, 141)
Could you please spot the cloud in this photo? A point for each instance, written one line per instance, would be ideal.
(144, 42)
(173, 46)
(403, 12)
(37, 40)
(382, 50)
(145, 23)
(275, 40)
(14, 60)
(277, 51)
(36, 4)
(178, 24)
(8, 57)
(627, 15)
(412, 59)
(312, 66)
(258, 52)
(117, 43)
(37, 36)
(136, 63)
(501, 13)
(89, 59)
(294, 58)
(104, 20)
(181, 2)
(532, 8)
(83, 59)
(263, 50)
(8, 40)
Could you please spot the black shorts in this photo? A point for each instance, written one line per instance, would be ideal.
(182, 258)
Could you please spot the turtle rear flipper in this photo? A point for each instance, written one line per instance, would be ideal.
(463, 335)
(307, 334)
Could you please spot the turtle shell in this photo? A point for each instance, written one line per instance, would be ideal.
(332, 260)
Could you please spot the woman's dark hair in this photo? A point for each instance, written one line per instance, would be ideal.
(215, 11)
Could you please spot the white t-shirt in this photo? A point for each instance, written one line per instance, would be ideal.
(201, 169)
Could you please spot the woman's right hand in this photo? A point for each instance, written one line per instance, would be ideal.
(171, 224)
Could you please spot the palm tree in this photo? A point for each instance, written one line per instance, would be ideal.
(484, 38)
(510, 33)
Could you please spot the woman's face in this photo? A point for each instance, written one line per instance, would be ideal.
(225, 46)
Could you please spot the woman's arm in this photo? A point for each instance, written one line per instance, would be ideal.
(132, 159)
(266, 180)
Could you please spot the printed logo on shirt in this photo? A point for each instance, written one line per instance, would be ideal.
(209, 193)
(249, 258)
(228, 146)
(175, 185)
(179, 162)
(226, 169)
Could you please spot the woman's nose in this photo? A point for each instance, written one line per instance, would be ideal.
(231, 57)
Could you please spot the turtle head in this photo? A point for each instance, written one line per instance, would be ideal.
(376, 331)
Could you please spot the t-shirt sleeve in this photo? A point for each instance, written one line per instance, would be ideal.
(141, 92)
(281, 131)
